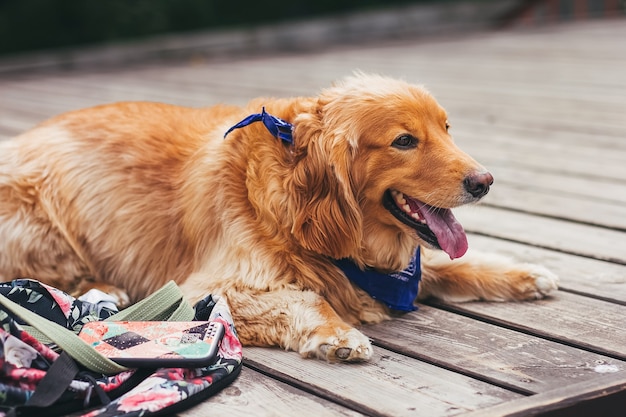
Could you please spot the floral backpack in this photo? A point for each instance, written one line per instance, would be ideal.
(45, 366)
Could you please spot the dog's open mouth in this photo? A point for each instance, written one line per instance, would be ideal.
(436, 226)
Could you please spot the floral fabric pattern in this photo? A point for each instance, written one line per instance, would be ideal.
(24, 360)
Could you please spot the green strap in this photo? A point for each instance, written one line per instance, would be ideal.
(184, 312)
(65, 339)
(159, 306)
(165, 304)
(37, 334)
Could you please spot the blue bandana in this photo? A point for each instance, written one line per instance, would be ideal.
(397, 291)
(277, 127)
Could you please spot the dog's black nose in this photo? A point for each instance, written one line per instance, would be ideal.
(477, 184)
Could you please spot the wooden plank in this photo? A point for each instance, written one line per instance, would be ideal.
(581, 160)
(540, 100)
(389, 384)
(571, 397)
(547, 203)
(525, 146)
(516, 115)
(466, 71)
(13, 121)
(596, 189)
(501, 356)
(587, 84)
(50, 103)
(137, 85)
(598, 279)
(573, 238)
(532, 158)
(255, 394)
(583, 322)
(476, 128)
(6, 133)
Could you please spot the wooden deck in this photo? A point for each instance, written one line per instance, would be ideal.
(546, 112)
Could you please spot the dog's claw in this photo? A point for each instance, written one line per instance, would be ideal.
(347, 345)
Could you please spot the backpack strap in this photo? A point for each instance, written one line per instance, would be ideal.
(60, 375)
(65, 339)
(165, 304)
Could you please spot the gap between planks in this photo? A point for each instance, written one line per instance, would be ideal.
(581, 322)
(500, 356)
(589, 277)
(256, 394)
(412, 384)
(555, 234)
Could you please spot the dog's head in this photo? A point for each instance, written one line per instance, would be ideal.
(376, 173)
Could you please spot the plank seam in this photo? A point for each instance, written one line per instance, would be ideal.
(593, 296)
(522, 329)
(310, 389)
(455, 369)
(554, 217)
(540, 246)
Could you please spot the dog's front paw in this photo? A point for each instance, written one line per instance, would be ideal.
(537, 282)
(545, 281)
(338, 345)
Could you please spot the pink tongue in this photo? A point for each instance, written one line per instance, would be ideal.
(445, 226)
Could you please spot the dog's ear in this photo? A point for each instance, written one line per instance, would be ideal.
(323, 193)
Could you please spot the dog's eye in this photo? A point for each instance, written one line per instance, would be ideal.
(405, 142)
(447, 126)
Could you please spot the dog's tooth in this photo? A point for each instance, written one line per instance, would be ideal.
(406, 208)
(399, 199)
(416, 216)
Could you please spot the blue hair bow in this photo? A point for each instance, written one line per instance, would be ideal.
(277, 127)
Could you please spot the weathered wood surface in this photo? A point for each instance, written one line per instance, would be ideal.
(509, 358)
(596, 279)
(545, 112)
(579, 399)
(414, 386)
(577, 320)
(254, 394)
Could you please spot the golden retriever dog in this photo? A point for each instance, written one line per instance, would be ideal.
(127, 196)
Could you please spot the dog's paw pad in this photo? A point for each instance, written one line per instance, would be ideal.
(328, 350)
(346, 345)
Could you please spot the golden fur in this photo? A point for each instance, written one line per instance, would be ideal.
(125, 197)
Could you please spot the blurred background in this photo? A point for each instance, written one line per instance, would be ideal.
(245, 26)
